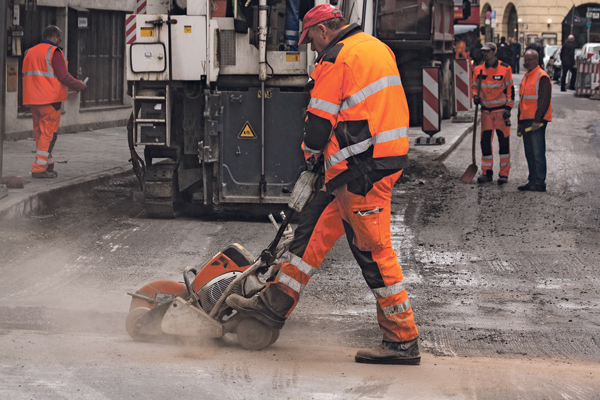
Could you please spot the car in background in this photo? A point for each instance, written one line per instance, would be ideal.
(591, 51)
(548, 51)
(554, 68)
(554, 65)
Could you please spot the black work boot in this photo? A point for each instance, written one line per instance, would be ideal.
(399, 353)
(255, 308)
(502, 180)
(488, 177)
(43, 175)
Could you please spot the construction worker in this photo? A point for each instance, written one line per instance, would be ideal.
(45, 83)
(357, 119)
(535, 111)
(497, 99)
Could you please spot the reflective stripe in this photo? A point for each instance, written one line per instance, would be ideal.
(492, 84)
(42, 153)
(291, 33)
(487, 157)
(324, 106)
(529, 97)
(363, 146)
(291, 42)
(485, 103)
(301, 265)
(396, 309)
(290, 282)
(507, 83)
(389, 290)
(48, 73)
(487, 164)
(39, 161)
(504, 155)
(51, 160)
(505, 164)
(371, 89)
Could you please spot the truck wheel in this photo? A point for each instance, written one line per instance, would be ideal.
(254, 335)
(134, 325)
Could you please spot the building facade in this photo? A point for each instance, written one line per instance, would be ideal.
(94, 45)
(528, 19)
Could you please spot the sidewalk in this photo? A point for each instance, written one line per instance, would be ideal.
(88, 158)
(80, 159)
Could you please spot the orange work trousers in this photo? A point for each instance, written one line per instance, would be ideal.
(46, 120)
(365, 219)
(494, 121)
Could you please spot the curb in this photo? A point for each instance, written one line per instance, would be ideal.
(35, 202)
(454, 145)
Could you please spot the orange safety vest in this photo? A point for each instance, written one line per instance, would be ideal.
(528, 95)
(497, 90)
(40, 84)
(357, 87)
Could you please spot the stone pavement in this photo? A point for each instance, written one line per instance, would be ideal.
(89, 158)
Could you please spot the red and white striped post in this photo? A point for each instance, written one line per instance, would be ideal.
(462, 92)
(432, 119)
(461, 85)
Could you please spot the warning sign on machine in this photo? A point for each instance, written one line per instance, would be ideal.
(247, 132)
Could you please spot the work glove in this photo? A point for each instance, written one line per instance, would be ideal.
(506, 114)
(477, 100)
(519, 130)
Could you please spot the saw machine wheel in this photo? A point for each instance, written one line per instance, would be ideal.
(254, 335)
(134, 326)
(275, 336)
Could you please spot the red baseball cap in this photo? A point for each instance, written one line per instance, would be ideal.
(316, 15)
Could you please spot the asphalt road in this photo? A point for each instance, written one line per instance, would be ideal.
(504, 285)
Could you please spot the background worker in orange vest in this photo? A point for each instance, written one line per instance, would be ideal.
(45, 83)
(357, 119)
(535, 111)
(497, 99)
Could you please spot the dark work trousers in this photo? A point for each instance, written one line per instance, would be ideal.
(563, 78)
(534, 144)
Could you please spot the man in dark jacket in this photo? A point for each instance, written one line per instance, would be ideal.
(539, 48)
(516, 60)
(567, 58)
(476, 54)
(504, 51)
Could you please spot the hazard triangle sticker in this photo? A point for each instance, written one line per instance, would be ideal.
(247, 132)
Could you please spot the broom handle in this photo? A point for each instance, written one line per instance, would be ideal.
(479, 77)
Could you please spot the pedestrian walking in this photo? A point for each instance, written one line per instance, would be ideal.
(516, 61)
(505, 53)
(497, 99)
(538, 46)
(45, 83)
(567, 59)
(358, 120)
(535, 111)
(476, 54)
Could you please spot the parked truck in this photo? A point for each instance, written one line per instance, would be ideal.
(219, 99)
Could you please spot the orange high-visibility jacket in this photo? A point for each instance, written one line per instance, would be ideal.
(497, 90)
(40, 84)
(358, 91)
(528, 95)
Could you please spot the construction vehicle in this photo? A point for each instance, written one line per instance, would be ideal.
(219, 100)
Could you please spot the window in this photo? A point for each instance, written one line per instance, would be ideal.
(100, 58)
